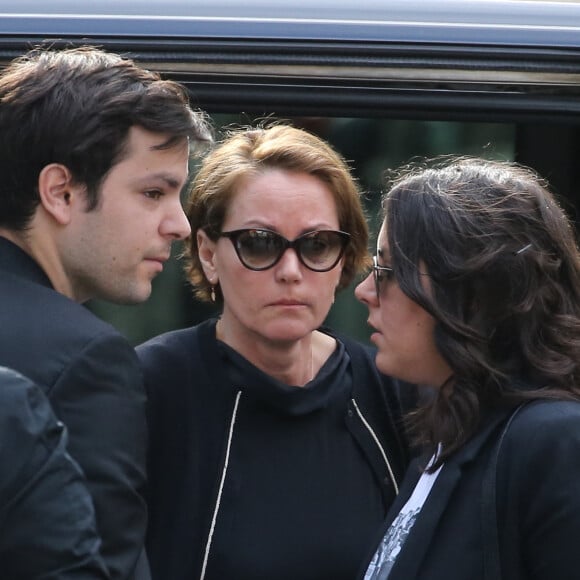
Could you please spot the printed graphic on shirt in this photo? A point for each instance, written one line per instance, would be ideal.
(396, 536)
(391, 545)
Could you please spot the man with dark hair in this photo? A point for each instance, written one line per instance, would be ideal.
(93, 156)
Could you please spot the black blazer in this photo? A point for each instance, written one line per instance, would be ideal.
(92, 378)
(46, 513)
(538, 503)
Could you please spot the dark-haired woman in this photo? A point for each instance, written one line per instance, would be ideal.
(475, 291)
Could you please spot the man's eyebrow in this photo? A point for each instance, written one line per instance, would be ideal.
(170, 180)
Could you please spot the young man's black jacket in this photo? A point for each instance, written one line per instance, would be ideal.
(92, 379)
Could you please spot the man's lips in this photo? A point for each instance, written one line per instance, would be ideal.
(158, 260)
(162, 258)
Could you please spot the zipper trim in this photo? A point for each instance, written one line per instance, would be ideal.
(221, 487)
(378, 443)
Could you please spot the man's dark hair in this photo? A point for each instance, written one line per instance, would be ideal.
(75, 107)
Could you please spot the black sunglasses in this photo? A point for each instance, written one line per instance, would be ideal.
(381, 274)
(258, 249)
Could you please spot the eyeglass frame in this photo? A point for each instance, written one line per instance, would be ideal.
(380, 274)
(294, 244)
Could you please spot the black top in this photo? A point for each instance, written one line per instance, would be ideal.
(310, 522)
(254, 479)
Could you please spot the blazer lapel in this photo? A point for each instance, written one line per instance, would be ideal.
(15, 261)
(409, 561)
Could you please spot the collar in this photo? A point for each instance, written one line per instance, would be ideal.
(323, 390)
(15, 260)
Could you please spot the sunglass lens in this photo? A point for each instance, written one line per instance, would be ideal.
(321, 250)
(259, 249)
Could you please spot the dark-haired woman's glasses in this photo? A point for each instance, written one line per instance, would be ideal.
(258, 249)
(382, 274)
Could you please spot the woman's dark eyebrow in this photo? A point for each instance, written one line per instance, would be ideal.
(381, 253)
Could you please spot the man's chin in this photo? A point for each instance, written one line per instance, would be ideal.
(130, 297)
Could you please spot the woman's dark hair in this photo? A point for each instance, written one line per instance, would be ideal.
(504, 274)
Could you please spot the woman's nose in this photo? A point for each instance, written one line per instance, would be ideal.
(365, 291)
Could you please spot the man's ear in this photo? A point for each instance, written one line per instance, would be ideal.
(57, 192)
(206, 251)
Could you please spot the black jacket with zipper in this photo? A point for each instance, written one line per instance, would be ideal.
(197, 415)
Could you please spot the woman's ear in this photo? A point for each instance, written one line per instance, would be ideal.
(57, 192)
(206, 251)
